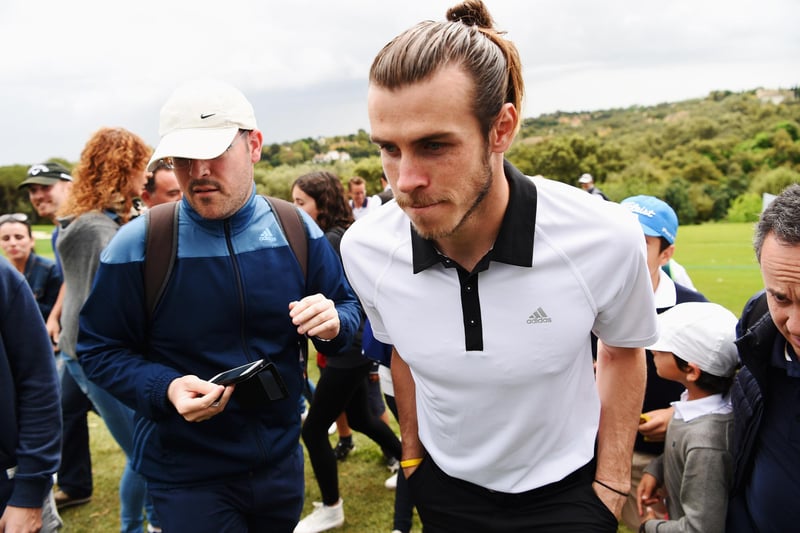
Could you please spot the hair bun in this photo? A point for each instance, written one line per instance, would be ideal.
(471, 13)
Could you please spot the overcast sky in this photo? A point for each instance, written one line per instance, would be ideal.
(69, 68)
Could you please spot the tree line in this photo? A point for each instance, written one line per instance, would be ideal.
(710, 158)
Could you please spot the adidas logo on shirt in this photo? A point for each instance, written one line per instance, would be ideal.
(539, 317)
(266, 235)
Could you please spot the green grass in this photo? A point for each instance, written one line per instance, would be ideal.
(43, 245)
(721, 262)
(102, 513)
(718, 257)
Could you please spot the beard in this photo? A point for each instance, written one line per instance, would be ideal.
(476, 189)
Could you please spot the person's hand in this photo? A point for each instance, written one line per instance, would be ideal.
(646, 493)
(197, 400)
(649, 514)
(53, 327)
(315, 316)
(610, 498)
(21, 520)
(655, 428)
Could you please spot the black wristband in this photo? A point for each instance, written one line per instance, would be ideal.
(612, 489)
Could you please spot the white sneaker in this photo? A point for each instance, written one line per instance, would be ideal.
(323, 518)
(391, 483)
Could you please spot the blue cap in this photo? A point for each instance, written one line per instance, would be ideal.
(657, 218)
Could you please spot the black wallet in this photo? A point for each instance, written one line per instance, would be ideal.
(266, 386)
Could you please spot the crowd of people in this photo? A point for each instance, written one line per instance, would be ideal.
(551, 366)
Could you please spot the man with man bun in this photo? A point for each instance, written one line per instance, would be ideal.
(489, 284)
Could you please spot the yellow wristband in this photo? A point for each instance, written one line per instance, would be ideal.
(408, 463)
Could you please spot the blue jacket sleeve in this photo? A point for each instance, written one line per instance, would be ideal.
(36, 404)
(326, 276)
(112, 340)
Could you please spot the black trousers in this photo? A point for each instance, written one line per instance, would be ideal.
(75, 472)
(447, 504)
(341, 389)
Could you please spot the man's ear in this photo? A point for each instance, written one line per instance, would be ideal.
(255, 141)
(504, 128)
(666, 255)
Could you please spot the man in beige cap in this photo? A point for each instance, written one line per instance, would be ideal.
(216, 458)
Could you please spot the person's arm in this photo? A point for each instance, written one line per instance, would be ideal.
(113, 333)
(36, 391)
(330, 314)
(404, 395)
(54, 318)
(621, 376)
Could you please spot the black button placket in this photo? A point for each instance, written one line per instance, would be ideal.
(471, 310)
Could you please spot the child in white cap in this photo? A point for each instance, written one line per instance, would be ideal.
(696, 349)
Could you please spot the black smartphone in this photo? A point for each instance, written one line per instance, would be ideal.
(239, 374)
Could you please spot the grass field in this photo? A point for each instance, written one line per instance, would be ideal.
(721, 262)
(718, 257)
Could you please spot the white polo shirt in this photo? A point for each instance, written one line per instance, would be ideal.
(501, 358)
(371, 203)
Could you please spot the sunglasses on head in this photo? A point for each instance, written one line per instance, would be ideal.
(14, 217)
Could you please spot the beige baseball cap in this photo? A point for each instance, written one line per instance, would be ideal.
(200, 119)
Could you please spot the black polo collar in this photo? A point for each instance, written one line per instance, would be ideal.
(514, 244)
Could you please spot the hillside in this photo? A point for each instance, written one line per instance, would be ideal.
(710, 158)
(698, 155)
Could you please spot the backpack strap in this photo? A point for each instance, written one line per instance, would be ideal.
(292, 225)
(161, 247)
